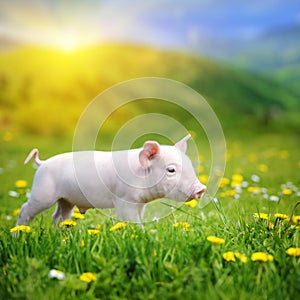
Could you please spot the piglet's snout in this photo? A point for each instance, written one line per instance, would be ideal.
(198, 191)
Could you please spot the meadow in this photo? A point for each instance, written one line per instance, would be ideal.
(244, 244)
(100, 257)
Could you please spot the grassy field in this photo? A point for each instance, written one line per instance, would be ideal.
(252, 253)
(172, 259)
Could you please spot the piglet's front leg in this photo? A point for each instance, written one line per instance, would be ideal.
(129, 211)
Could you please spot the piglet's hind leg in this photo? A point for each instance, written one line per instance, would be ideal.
(30, 209)
(63, 211)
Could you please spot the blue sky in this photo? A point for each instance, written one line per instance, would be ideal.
(160, 22)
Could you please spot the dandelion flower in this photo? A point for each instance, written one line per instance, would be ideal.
(16, 212)
(67, 223)
(296, 219)
(78, 215)
(215, 240)
(224, 182)
(184, 225)
(237, 178)
(229, 256)
(253, 189)
(118, 226)
(229, 193)
(21, 184)
(263, 168)
(56, 274)
(281, 216)
(20, 228)
(192, 203)
(93, 231)
(283, 154)
(76, 210)
(243, 258)
(287, 192)
(88, 277)
(262, 216)
(82, 243)
(293, 251)
(203, 178)
(261, 256)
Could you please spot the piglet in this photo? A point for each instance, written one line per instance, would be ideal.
(125, 180)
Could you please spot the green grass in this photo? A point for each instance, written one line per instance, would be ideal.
(164, 262)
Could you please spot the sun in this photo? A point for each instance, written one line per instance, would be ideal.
(69, 41)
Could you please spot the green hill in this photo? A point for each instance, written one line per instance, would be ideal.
(44, 91)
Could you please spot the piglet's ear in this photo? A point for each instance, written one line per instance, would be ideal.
(150, 149)
(182, 145)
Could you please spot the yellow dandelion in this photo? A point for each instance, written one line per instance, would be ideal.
(253, 189)
(16, 212)
(76, 210)
(282, 216)
(287, 192)
(229, 256)
(93, 231)
(243, 258)
(203, 178)
(215, 240)
(201, 158)
(293, 251)
(21, 184)
(261, 256)
(263, 168)
(201, 169)
(262, 216)
(88, 277)
(283, 154)
(67, 223)
(228, 193)
(192, 203)
(270, 226)
(237, 178)
(184, 225)
(82, 243)
(77, 215)
(118, 226)
(235, 184)
(296, 219)
(20, 228)
(224, 182)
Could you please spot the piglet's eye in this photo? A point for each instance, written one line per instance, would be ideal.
(171, 170)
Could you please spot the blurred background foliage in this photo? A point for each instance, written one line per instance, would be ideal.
(251, 83)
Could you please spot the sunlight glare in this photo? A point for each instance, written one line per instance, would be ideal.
(69, 42)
